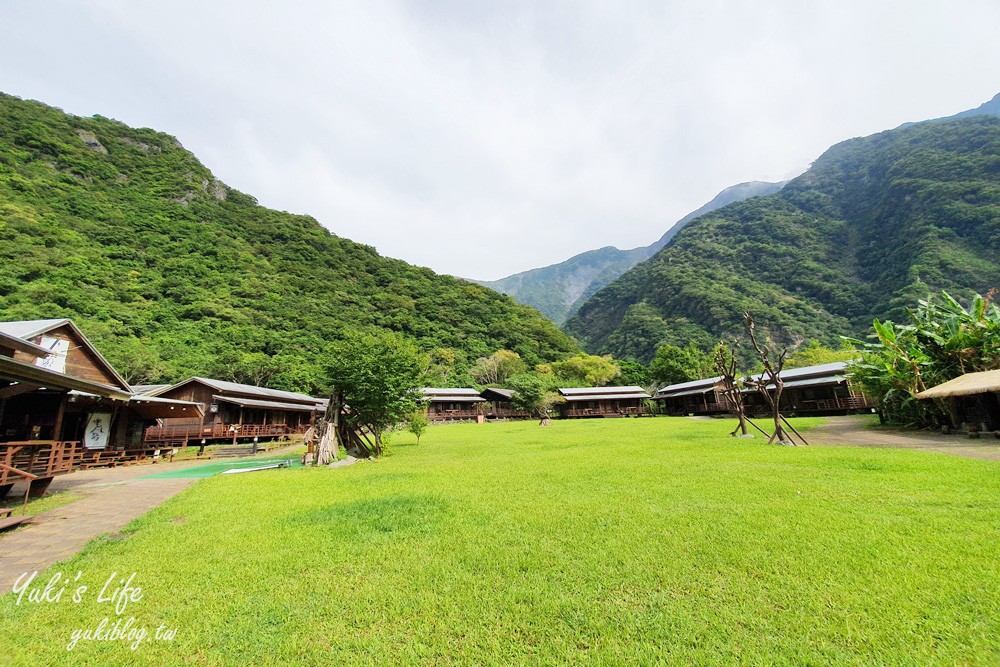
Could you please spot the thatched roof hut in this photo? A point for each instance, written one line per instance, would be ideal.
(984, 382)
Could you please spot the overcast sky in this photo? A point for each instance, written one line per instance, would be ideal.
(486, 138)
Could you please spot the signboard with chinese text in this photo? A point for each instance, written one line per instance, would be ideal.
(98, 431)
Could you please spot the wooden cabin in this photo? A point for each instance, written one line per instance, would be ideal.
(603, 402)
(232, 412)
(501, 405)
(698, 397)
(818, 390)
(973, 401)
(62, 404)
(445, 404)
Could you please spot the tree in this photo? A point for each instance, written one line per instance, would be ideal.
(633, 374)
(377, 375)
(586, 370)
(418, 423)
(496, 368)
(771, 377)
(534, 395)
(673, 364)
(814, 354)
(725, 365)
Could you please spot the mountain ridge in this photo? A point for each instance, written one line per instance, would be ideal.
(558, 290)
(172, 273)
(876, 223)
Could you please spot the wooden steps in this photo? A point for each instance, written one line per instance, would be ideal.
(232, 452)
(8, 521)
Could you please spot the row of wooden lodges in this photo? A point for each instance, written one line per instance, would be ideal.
(444, 404)
(812, 390)
(63, 406)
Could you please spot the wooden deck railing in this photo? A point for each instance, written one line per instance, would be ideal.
(605, 412)
(441, 415)
(849, 403)
(188, 432)
(40, 457)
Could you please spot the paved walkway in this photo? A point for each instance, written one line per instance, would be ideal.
(112, 497)
(851, 431)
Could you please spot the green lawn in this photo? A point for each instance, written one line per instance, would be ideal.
(640, 541)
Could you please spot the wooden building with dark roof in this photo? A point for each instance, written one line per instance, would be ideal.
(501, 404)
(697, 397)
(603, 402)
(453, 403)
(234, 411)
(820, 390)
(62, 404)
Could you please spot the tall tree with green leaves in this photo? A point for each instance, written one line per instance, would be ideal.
(496, 368)
(673, 364)
(377, 374)
(534, 395)
(583, 370)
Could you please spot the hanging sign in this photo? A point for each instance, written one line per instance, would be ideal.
(56, 359)
(98, 431)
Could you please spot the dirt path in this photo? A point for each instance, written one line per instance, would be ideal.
(851, 431)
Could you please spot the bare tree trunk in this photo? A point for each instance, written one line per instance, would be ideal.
(726, 367)
(329, 430)
(772, 375)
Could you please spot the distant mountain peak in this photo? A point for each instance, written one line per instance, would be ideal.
(559, 289)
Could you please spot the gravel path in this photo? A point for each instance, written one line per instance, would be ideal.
(851, 431)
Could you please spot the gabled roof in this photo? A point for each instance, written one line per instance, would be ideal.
(689, 388)
(13, 342)
(579, 398)
(225, 387)
(25, 329)
(28, 329)
(148, 388)
(18, 371)
(572, 394)
(983, 382)
(451, 394)
(580, 391)
(503, 394)
(831, 369)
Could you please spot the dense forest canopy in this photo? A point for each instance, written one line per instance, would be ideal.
(875, 225)
(171, 273)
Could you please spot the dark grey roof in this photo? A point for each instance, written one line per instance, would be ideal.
(581, 391)
(451, 395)
(448, 391)
(148, 388)
(579, 398)
(224, 387)
(505, 393)
(688, 388)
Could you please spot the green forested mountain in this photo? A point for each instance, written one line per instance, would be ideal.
(876, 224)
(172, 273)
(559, 290)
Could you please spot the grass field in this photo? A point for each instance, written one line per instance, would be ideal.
(655, 541)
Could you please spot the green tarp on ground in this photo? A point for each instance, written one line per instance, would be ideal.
(209, 469)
